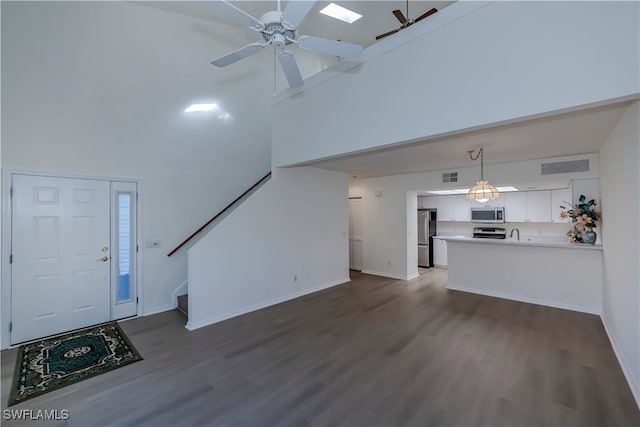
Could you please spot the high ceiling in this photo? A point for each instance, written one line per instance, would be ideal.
(376, 16)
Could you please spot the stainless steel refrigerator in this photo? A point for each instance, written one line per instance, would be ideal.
(426, 230)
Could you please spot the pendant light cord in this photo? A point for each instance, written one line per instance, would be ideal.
(481, 155)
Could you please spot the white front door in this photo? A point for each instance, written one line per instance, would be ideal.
(60, 255)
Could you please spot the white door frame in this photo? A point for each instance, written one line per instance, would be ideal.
(5, 286)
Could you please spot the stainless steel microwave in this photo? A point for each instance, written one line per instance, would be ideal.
(487, 215)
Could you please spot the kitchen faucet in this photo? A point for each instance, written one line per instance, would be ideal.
(511, 234)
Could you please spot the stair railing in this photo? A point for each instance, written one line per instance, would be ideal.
(229, 206)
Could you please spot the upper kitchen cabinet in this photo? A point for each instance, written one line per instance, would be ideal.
(497, 203)
(454, 208)
(559, 198)
(529, 206)
(427, 202)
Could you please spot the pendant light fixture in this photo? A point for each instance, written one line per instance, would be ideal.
(482, 191)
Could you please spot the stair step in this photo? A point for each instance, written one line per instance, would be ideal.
(183, 304)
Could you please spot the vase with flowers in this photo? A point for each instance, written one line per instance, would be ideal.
(583, 217)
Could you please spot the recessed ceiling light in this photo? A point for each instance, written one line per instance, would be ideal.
(200, 107)
(341, 13)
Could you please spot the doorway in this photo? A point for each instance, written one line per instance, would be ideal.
(73, 254)
(355, 233)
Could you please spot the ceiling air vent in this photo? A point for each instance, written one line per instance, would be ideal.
(565, 167)
(450, 177)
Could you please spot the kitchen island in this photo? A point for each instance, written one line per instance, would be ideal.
(549, 273)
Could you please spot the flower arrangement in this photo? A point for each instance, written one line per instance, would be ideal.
(583, 217)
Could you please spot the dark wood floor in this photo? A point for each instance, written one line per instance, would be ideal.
(374, 352)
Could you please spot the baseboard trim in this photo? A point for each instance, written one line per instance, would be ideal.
(160, 309)
(389, 275)
(413, 276)
(244, 310)
(537, 301)
(633, 382)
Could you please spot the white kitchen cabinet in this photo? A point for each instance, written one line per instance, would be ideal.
(445, 208)
(497, 203)
(538, 206)
(461, 208)
(439, 252)
(515, 207)
(428, 202)
(454, 208)
(527, 206)
(559, 198)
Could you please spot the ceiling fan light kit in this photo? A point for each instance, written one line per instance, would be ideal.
(482, 191)
(280, 29)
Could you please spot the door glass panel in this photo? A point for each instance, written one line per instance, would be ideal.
(124, 251)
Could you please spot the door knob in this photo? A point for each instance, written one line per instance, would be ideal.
(105, 249)
(103, 259)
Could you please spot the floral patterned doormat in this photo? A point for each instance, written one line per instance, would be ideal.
(55, 362)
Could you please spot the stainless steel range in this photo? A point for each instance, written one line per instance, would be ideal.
(489, 233)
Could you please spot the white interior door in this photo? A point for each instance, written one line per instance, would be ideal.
(355, 234)
(60, 255)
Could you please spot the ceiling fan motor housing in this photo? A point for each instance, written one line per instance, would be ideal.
(275, 30)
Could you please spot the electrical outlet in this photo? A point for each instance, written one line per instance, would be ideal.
(153, 244)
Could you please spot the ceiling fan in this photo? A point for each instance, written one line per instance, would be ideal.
(280, 29)
(405, 21)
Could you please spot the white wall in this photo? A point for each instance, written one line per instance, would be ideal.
(290, 238)
(387, 248)
(501, 62)
(620, 180)
(533, 274)
(98, 89)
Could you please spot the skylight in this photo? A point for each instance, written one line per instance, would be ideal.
(200, 107)
(338, 12)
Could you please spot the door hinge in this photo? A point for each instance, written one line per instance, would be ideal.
(137, 197)
(11, 259)
(10, 326)
(137, 249)
(137, 300)
(11, 192)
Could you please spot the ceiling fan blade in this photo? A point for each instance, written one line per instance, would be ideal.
(231, 12)
(381, 36)
(400, 16)
(295, 13)
(290, 68)
(426, 14)
(330, 47)
(239, 54)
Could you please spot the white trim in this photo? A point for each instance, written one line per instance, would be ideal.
(160, 309)
(633, 382)
(529, 300)
(413, 276)
(389, 275)
(238, 312)
(182, 289)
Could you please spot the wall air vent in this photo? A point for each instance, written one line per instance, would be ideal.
(450, 177)
(565, 167)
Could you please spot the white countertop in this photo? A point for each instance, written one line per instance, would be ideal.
(526, 241)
